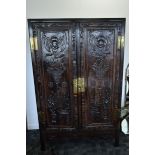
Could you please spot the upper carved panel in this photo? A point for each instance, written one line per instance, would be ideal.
(55, 45)
(54, 50)
(100, 42)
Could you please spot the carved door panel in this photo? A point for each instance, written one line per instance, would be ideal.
(55, 69)
(100, 69)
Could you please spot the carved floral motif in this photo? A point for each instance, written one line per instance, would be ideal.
(55, 45)
(100, 42)
(100, 67)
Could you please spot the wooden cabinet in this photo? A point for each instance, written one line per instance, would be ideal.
(77, 66)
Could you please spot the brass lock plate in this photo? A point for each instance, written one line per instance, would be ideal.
(78, 85)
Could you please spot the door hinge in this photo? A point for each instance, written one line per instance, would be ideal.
(34, 43)
(120, 42)
(42, 116)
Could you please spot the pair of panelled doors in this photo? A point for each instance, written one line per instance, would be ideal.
(77, 66)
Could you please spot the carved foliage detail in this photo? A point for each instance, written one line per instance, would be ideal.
(100, 104)
(101, 24)
(106, 98)
(100, 67)
(38, 26)
(100, 42)
(100, 45)
(59, 103)
(55, 45)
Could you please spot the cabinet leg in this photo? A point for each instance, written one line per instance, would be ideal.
(116, 139)
(43, 147)
(42, 140)
(117, 134)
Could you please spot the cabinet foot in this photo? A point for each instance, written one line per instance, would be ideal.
(117, 134)
(116, 144)
(43, 148)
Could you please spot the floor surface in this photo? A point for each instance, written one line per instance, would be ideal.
(93, 146)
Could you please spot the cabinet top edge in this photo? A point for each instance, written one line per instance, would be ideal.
(31, 20)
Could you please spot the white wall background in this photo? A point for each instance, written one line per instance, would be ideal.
(70, 9)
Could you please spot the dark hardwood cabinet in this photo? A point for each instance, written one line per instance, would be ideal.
(77, 66)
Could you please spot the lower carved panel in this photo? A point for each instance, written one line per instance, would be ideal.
(59, 106)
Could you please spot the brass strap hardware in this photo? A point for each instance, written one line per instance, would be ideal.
(42, 116)
(78, 85)
(120, 42)
(34, 43)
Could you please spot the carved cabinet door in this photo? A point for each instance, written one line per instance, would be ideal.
(77, 68)
(101, 69)
(54, 63)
